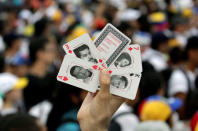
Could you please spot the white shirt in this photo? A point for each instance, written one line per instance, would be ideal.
(155, 58)
(41, 111)
(179, 83)
(129, 121)
(8, 111)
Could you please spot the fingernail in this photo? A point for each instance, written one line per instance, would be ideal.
(105, 71)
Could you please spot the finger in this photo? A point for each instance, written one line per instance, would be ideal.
(104, 81)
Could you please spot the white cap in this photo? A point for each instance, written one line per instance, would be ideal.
(25, 14)
(142, 38)
(119, 4)
(9, 81)
(129, 15)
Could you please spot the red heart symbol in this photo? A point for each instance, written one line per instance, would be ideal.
(130, 49)
(60, 77)
(95, 67)
(65, 78)
(100, 60)
(110, 71)
(70, 51)
(137, 48)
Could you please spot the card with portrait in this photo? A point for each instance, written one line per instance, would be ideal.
(129, 60)
(83, 48)
(76, 72)
(124, 85)
(110, 44)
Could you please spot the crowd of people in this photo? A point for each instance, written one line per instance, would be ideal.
(31, 37)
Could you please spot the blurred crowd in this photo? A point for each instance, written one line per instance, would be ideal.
(31, 37)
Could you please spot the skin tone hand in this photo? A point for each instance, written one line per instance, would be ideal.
(97, 108)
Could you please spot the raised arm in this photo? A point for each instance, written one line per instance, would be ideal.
(97, 108)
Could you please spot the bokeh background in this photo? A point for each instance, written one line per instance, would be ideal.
(32, 33)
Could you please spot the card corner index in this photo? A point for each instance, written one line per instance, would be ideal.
(58, 77)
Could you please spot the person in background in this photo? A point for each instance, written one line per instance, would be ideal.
(11, 93)
(158, 57)
(41, 80)
(21, 122)
(20, 65)
(144, 40)
(150, 110)
(13, 43)
(182, 80)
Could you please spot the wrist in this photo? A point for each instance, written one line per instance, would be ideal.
(95, 124)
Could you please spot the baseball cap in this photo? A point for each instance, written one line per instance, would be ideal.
(158, 38)
(157, 17)
(19, 60)
(129, 15)
(173, 102)
(142, 38)
(152, 108)
(10, 82)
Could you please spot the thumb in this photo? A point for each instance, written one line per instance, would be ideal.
(104, 81)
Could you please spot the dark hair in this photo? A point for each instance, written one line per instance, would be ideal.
(40, 26)
(157, 39)
(10, 38)
(2, 26)
(149, 85)
(123, 78)
(73, 68)
(122, 56)
(176, 54)
(123, 26)
(2, 63)
(37, 44)
(80, 48)
(19, 122)
(191, 44)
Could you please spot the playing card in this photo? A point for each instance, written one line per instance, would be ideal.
(83, 48)
(79, 73)
(110, 43)
(129, 60)
(124, 85)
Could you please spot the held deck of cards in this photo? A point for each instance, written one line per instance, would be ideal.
(111, 49)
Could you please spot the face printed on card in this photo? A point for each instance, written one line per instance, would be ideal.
(129, 60)
(110, 44)
(79, 73)
(83, 48)
(124, 85)
(111, 49)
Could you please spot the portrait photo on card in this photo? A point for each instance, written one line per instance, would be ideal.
(80, 73)
(119, 82)
(83, 52)
(123, 60)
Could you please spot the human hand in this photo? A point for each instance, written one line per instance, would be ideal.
(97, 108)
